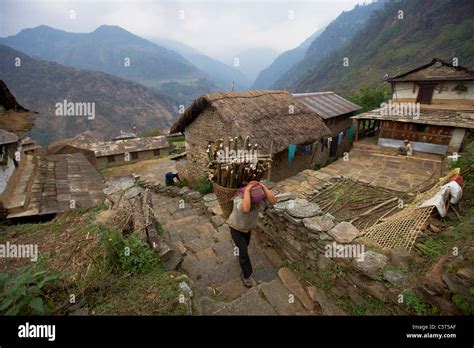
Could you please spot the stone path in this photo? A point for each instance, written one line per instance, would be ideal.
(381, 166)
(208, 259)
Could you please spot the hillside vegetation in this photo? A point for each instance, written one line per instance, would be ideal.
(392, 44)
(119, 104)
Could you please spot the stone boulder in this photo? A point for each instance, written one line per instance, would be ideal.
(301, 209)
(290, 280)
(344, 232)
(370, 263)
(394, 277)
(285, 196)
(321, 223)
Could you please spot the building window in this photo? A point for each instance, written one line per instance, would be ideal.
(156, 152)
(134, 155)
(111, 159)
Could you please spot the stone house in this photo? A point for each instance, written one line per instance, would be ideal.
(336, 113)
(15, 122)
(432, 106)
(104, 154)
(272, 119)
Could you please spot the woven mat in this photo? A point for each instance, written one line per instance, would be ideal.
(402, 228)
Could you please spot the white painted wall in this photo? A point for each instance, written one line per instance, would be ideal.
(5, 174)
(404, 90)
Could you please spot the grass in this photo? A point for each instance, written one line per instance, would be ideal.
(416, 305)
(71, 245)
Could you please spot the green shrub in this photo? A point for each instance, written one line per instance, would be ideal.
(204, 186)
(462, 304)
(22, 293)
(128, 255)
(417, 305)
(370, 97)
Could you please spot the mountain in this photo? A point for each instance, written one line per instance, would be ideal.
(386, 44)
(119, 104)
(283, 63)
(254, 60)
(219, 73)
(115, 51)
(334, 36)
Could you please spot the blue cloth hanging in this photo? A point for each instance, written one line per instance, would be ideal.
(291, 153)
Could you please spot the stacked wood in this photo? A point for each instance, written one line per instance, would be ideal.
(237, 161)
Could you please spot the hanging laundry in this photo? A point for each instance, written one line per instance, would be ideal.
(340, 137)
(350, 132)
(291, 153)
(333, 148)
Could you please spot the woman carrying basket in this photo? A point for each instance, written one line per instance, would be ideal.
(244, 217)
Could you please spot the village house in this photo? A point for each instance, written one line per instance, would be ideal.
(336, 113)
(275, 120)
(114, 152)
(15, 122)
(432, 106)
(31, 184)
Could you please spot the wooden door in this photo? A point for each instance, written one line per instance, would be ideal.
(425, 94)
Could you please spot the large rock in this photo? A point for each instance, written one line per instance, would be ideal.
(319, 223)
(394, 277)
(401, 257)
(344, 232)
(209, 197)
(327, 306)
(290, 280)
(279, 297)
(285, 196)
(301, 209)
(433, 282)
(370, 263)
(250, 303)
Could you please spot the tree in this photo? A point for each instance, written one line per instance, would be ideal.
(370, 97)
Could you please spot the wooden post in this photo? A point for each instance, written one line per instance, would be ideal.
(356, 129)
(271, 162)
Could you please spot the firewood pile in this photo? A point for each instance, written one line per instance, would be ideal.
(131, 211)
(235, 162)
(136, 214)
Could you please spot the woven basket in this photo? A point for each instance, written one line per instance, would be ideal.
(225, 197)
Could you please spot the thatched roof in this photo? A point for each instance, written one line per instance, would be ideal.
(263, 115)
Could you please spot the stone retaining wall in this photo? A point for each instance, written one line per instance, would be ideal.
(300, 231)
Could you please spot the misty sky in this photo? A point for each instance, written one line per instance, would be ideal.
(220, 29)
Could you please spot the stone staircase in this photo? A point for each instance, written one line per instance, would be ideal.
(19, 199)
(208, 259)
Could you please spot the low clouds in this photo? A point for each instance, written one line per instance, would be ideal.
(220, 29)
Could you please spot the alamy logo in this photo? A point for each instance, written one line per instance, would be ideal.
(353, 251)
(400, 109)
(227, 155)
(27, 251)
(37, 331)
(66, 108)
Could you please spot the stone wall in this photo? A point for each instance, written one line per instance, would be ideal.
(350, 269)
(371, 279)
(103, 162)
(207, 127)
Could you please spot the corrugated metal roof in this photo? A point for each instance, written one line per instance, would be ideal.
(326, 104)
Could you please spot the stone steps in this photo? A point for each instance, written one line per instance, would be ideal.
(209, 261)
(19, 199)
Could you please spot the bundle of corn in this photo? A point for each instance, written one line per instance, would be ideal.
(232, 164)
